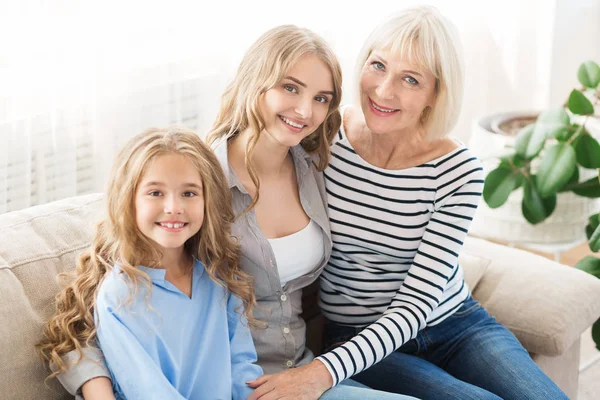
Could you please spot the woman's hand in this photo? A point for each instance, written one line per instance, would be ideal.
(98, 389)
(308, 382)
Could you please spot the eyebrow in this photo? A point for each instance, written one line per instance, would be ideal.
(299, 82)
(155, 183)
(406, 70)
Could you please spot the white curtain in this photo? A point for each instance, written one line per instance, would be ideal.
(77, 78)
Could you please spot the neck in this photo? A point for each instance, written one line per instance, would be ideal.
(175, 261)
(401, 144)
(268, 156)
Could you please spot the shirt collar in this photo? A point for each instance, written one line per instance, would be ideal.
(157, 275)
(300, 156)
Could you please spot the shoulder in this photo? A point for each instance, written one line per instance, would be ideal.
(457, 159)
(113, 290)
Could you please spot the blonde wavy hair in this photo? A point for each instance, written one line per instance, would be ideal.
(426, 38)
(264, 65)
(118, 240)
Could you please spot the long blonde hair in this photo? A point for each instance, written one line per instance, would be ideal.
(118, 240)
(263, 66)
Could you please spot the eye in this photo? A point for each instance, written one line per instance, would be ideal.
(290, 88)
(411, 80)
(154, 193)
(322, 99)
(378, 65)
(190, 194)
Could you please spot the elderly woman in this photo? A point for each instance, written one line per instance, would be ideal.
(401, 197)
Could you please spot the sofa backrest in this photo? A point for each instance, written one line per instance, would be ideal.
(36, 244)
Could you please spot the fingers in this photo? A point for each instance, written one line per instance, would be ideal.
(260, 392)
(259, 381)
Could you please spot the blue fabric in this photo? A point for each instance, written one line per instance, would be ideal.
(352, 390)
(467, 356)
(169, 346)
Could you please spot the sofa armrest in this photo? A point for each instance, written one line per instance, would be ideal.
(547, 305)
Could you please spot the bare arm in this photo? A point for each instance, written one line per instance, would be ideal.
(99, 388)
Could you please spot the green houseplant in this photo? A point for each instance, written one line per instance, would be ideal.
(546, 160)
(591, 264)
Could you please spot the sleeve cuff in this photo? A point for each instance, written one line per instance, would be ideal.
(91, 366)
(330, 369)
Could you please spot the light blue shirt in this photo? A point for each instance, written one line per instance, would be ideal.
(170, 346)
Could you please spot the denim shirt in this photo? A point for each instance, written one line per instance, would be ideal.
(282, 344)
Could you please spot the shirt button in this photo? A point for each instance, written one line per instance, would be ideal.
(286, 330)
(289, 363)
(283, 297)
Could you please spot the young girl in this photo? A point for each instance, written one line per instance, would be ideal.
(160, 286)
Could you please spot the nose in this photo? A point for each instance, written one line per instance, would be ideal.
(173, 205)
(386, 89)
(304, 107)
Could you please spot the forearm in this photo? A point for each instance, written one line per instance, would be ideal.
(98, 389)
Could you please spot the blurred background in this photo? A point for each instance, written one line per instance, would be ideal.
(77, 78)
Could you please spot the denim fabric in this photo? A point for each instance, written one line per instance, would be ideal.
(467, 356)
(352, 390)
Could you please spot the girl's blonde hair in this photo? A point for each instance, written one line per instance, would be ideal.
(118, 240)
(263, 66)
(424, 37)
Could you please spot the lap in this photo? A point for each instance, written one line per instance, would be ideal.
(352, 390)
(467, 356)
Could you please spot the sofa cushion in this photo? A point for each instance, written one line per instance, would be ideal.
(546, 305)
(36, 244)
(474, 268)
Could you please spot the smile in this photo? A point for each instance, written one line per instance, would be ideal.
(172, 225)
(382, 109)
(291, 123)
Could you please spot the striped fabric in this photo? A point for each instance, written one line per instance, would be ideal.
(396, 238)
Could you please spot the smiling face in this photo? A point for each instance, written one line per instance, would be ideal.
(299, 103)
(394, 93)
(169, 202)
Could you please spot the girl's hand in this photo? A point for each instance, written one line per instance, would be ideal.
(98, 389)
(308, 382)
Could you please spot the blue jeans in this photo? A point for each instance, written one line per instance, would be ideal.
(467, 356)
(352, 390)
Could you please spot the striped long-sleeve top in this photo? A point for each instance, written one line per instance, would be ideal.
(396, 238)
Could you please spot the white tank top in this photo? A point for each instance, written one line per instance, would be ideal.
(299, 253)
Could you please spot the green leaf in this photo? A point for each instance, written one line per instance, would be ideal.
(589, 264)
(556, 168)
(594, 241)
(536, 209)
(551, 123)
(579, 104)
(498, 185)
(596, 333)
(589, 74)
(523, 139)
(587, 150)
(593, 223)
(589, 188)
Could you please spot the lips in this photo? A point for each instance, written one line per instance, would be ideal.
(292, 123)
(379, 109)
(172, 226)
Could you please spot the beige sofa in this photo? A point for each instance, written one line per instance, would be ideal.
(547, 305)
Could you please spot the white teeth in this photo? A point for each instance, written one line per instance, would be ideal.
(381, 109)
(295, 125)
(171, 225)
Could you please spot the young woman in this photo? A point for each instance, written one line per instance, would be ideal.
(401, 196)
(162, 278)
(272, 137)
